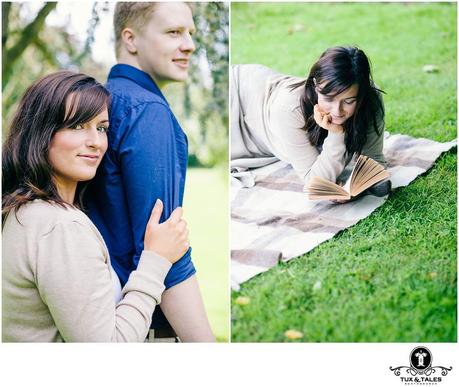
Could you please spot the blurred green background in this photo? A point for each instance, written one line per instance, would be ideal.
(393, 276)
(206, 210)
(39, 38)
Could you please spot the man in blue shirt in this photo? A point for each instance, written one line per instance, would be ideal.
(147, 155)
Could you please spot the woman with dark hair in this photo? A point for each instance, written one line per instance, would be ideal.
(315, 124)
(58, 283)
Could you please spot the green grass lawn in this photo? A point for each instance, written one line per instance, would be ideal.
(393, 276)
(206, 211)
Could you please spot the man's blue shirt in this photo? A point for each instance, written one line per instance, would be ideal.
(146, 160)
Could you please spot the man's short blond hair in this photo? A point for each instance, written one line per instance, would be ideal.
(130, 14)
(133, 15)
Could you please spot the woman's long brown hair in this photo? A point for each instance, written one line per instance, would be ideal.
(43, 110)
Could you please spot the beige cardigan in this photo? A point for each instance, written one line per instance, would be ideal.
(58, 286)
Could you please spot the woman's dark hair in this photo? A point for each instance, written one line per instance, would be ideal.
(337, 69)
(44, 109)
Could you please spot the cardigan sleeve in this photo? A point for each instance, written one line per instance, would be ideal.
(292, 142)
(74, 281)
(331, 161)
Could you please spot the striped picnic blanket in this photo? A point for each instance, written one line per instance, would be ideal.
(274, 220)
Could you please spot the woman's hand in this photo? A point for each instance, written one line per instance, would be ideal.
(168, 239)
(325, 121)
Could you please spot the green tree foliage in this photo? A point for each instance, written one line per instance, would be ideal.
(28, 36)
(31, 49)
(212, 21)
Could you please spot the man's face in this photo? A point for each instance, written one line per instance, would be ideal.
(165, 44)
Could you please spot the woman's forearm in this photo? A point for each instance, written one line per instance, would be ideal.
(75, 283)
(331, 161)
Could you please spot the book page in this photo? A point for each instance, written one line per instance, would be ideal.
(321, 189)
(366, 173)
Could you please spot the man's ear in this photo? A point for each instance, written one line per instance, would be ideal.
(128, 40)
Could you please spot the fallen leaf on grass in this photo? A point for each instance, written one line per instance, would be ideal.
(432, 275)
(364, 277)
(295, 28)
(430, 68)
(293, 334)
(242, 300)
(317, 286)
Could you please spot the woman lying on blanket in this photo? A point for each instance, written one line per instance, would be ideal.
(315, 124)
(58, 283)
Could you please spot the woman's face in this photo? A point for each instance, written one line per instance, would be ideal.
(75, 153)
(340, 107)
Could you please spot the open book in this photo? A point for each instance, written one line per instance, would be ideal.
(365, 174)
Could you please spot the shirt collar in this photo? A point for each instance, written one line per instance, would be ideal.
(138, 76)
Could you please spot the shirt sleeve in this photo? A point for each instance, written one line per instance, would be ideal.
(148, 157)
(74, 281)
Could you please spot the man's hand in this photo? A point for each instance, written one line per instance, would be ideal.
(325, 121)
